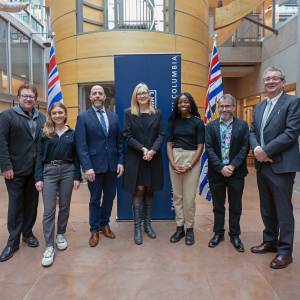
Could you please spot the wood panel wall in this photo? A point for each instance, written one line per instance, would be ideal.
(191, 28)
(88, 57)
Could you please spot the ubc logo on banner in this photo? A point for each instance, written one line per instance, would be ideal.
(153, 94)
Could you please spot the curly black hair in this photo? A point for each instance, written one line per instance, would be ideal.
(176, 113)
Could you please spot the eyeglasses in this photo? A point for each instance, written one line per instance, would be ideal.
(275, 78)
(28, 96)
(224, 106)
(142, 94)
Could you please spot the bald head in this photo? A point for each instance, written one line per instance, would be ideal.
(97, 96)
(97, 87)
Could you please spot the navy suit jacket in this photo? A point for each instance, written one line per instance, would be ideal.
(281, 133)
(95, 150)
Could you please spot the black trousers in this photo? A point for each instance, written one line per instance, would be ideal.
(275, 192)
(235, 187)
(22, 207)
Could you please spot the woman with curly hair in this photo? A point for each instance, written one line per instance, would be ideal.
(57, 167)
(185, 141)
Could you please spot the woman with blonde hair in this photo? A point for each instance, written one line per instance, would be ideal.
(57, 167)
(144, 134)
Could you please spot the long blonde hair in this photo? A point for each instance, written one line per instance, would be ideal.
(135, 109)
(49, 127)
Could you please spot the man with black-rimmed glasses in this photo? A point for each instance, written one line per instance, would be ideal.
(19, 130)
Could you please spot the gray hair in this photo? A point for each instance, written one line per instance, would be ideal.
(282, 74)
(226, 97)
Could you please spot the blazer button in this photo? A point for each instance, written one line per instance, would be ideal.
(106, 148)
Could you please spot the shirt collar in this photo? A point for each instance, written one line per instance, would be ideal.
(275, 99)
(96, 109)
(27, 113)
(221, 121)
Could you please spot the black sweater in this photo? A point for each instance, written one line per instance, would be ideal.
(186, 133)
(57, 148)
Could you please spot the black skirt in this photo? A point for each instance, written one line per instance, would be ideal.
(144, 173)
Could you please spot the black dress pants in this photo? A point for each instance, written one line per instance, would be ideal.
(22, 207)
(275, 193)
(235, 187)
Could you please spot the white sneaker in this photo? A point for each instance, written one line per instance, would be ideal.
(61, 242)
(48, 257)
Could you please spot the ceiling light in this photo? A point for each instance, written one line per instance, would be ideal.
(23, 76)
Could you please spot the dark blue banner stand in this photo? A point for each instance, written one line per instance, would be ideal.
(162, 74)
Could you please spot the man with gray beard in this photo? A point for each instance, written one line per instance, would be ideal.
(100, 147)
(227, 147)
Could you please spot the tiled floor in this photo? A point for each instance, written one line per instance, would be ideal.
(119, 269)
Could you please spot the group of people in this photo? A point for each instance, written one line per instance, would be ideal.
(39, 154)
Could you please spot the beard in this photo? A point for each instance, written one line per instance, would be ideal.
(226, 117)
(98, 104)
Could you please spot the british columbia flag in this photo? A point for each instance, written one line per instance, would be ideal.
(54, 89)
(214, 93)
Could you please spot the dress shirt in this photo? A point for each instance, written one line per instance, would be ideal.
(225, 134)
(104, 115)
(274, 101)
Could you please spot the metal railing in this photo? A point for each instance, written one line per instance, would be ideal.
(152, 15)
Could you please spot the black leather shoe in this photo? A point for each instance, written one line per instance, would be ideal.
(189, 238)
(237, 244)
(8, 253)
(32, 241)
(214, 242)
(176, 237)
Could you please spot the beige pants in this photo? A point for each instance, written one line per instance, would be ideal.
(184, 187)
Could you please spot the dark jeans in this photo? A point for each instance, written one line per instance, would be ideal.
(275, 192)
(100, 214)
(22, 207)
(235, 187)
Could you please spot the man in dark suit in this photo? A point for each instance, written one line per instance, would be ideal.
(227, 147)
(100, 147)
(274, 136)
(19, 130)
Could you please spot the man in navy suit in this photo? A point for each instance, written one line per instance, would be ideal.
(274, 136)
(100, 146)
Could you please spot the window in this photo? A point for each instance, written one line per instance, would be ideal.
(3, 57)
(37, 69)
(19, 59)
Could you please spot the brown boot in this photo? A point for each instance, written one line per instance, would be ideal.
(107, 232)
(264, 248)
(281, 261)
(94, 239)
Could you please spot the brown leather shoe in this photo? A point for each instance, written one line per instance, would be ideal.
(264, 248)
(281, 261)
(107, 232)
(94, 239)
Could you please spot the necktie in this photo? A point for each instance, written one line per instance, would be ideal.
(263, 123)
(102, 121)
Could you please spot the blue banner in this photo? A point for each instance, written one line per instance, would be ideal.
(162, 74)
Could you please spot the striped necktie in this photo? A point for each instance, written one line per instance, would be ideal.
(263, 123)
(102, 121)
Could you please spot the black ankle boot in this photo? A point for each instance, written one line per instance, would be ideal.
(189, 238)
(178, 234)
(137, 217)
(148, 205)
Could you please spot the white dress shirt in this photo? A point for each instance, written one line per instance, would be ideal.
(274, 101)
(104, 115)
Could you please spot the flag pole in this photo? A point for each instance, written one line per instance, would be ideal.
(53, 37)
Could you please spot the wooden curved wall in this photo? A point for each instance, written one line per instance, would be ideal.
(88, 57)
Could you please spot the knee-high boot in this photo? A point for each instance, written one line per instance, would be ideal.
(148, 205)
(137, 217)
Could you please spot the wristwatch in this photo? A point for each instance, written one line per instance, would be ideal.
(190, 166)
